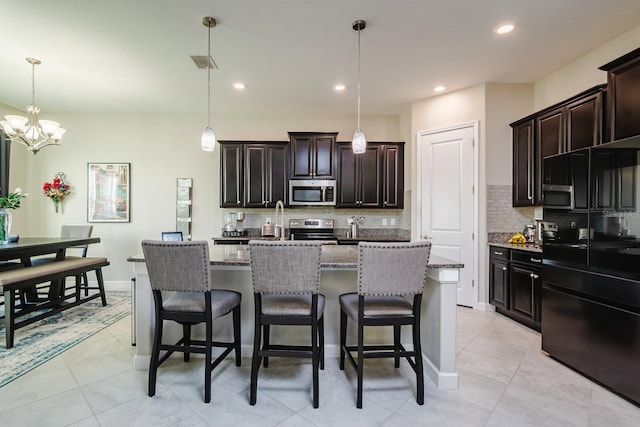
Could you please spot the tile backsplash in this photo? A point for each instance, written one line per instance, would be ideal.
(502, 216)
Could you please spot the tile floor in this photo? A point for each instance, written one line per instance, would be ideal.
(504, 381)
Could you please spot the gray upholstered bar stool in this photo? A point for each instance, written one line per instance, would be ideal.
(184, 268)
(286, 281)
(387, 274)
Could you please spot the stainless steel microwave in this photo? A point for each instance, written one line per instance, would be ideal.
(312, 192)
(557, 197)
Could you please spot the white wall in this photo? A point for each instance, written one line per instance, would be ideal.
(583, 73)
(160, 148)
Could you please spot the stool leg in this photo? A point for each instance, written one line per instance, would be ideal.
(266, 329)
(236, 335)
(255, 361)
(360, 364)
(155, 355)
(343, 336)
(417, 347)
(396, 345)
(103, 296)
(321, 338)
(186, 336)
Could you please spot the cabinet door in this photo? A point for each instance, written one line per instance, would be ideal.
(277, 175)
(524, 290)
(369, 174)
(254, 176)
(348, 194)
(302, 158)
(312, 155)
(499, 283)
(231, 175)
(550, 133)
(393, 176)
(523, 165)
(265, 177)
(623, 78)
(323, 157)
(580, 179)
(584, 122)
(603, 185)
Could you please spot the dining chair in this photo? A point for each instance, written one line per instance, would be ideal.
(387, 274)
(79, 251)
(286, 281)
(180, 277)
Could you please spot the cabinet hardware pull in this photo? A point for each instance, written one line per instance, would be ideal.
(535, 276)
(504, 268)
(538, 260)
(497, 253)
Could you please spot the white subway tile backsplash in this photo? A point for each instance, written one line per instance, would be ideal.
(501, 215)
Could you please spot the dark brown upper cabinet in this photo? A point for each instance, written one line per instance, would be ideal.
(231, 174)
(253, 174)
(623, 104)
(575, 123)
(374, 179)
(524, 164)
(313, 155)
(265, 174)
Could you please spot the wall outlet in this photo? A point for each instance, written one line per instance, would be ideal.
(384, 221)
(393, 221)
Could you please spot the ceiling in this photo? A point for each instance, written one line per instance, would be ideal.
(134, 56)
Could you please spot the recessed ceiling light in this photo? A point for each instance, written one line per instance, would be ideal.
(239, 85)
(439, 88)
(339, 87)
(504, 29)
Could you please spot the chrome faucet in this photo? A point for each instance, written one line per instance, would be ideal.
(279, 226)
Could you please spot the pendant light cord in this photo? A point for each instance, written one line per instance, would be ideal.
(358, 79)
(33, 83)
(209, 78)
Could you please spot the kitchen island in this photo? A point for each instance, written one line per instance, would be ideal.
(231, 270)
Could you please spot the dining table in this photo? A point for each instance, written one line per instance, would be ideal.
(27, 248)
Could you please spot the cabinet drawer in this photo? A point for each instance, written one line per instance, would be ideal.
(499, 253)
(533, 258)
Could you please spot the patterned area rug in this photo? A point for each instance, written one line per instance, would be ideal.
(36, 343)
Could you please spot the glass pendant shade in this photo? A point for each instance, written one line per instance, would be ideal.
(359, 142)
(208, 141)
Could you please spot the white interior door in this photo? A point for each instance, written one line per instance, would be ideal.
(447, 207)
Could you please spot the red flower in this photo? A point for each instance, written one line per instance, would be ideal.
(46, 186)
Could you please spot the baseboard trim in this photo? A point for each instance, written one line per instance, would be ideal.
(442, 380)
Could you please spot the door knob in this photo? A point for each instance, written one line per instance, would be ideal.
(426, 236)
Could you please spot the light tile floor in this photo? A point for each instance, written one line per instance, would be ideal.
(505, 380)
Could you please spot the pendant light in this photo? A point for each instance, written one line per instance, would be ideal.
(359, 142)
(208, 140)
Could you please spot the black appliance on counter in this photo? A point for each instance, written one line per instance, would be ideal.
(591, 269)
(312, 229)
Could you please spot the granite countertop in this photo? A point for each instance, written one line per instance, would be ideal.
(333, 256)
(502, 240)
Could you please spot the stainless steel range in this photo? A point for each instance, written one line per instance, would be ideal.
(312, 229)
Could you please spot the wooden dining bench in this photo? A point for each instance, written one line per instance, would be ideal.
(13, 281)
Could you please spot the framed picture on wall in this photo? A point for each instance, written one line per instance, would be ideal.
(109, 192)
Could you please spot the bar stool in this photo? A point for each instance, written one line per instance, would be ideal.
(387, 272)
(286, 281)
(183, 267)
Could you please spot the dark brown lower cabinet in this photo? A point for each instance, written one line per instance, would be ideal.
(515, 283)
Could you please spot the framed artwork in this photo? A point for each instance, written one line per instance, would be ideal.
(109, 192)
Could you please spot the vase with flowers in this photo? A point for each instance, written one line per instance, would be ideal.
(8, 202)
(57, 189)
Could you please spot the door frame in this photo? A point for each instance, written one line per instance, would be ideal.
(417, 197)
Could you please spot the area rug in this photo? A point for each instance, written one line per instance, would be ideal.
(36, 343)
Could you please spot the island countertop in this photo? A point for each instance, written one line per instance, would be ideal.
(333, 256)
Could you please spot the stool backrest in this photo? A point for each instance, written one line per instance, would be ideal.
(178, 266)
(392, 268)
(285, 267)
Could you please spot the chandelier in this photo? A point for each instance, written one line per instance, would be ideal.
(31, 131)
(359, 142)
(208, 140)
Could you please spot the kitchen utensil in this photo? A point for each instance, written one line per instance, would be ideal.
(529, 233)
